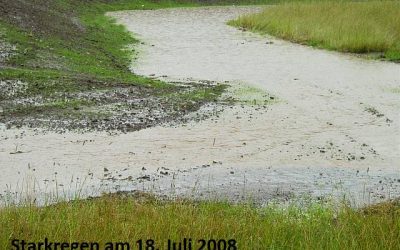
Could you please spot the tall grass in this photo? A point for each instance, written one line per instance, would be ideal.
(113, 218)
(359, 27)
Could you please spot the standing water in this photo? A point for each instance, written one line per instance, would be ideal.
(334, 129)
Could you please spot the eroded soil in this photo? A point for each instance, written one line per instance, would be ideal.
(120, 107)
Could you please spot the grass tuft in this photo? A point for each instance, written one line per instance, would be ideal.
(368, 27)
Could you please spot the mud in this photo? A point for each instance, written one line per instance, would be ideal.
(41, 17)
(6, 49)
(124, 108)
(330, 130)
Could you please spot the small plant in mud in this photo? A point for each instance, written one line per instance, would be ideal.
(374, 111)
(396, 90)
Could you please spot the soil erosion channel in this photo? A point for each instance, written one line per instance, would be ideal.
(332, 129)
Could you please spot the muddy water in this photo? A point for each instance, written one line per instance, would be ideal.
(334, 130)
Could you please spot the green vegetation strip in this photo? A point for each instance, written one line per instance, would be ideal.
(118, 219)
(371, 27)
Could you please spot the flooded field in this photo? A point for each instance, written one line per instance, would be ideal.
(331, 128)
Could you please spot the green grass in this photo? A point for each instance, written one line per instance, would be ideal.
(187, 100)
(396, 90)
(356, 27)
(117, 219)
(251, 95)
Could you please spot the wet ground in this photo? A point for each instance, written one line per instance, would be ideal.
(326, 125)
(6, 49)
(120, 107)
